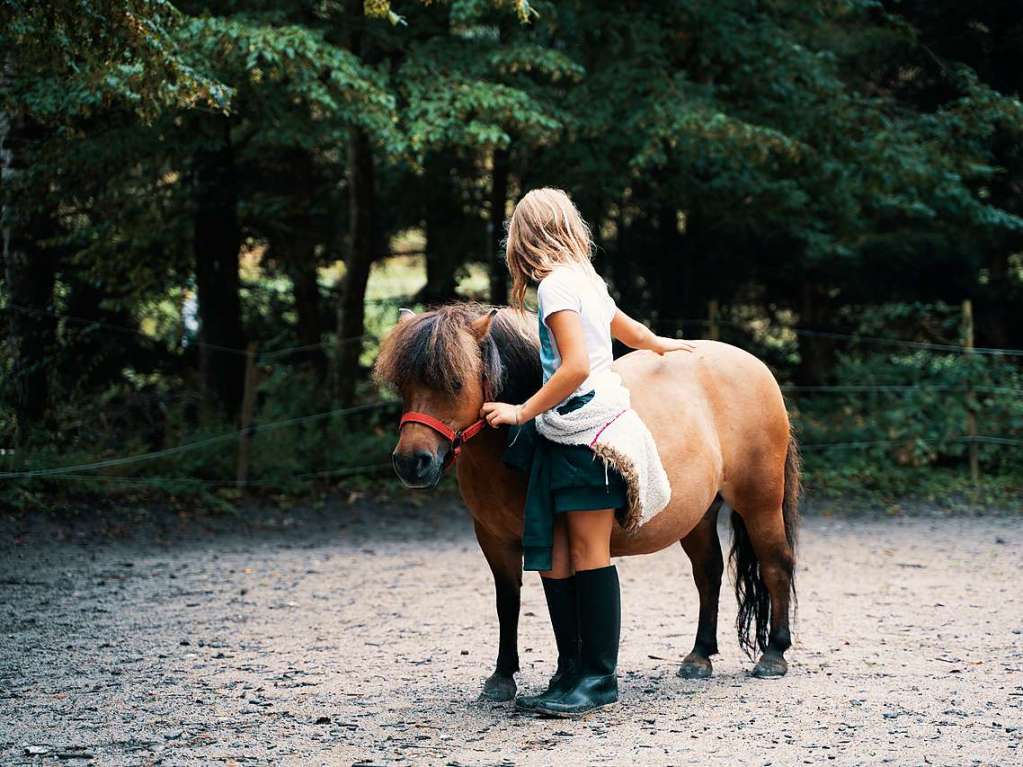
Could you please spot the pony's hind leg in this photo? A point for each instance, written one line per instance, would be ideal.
(765, 525)
(703, 548)
(764, 560)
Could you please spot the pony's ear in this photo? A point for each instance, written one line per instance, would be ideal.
(405, 314)
(481, 327)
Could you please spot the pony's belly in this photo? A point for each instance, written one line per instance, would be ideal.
(670, 526)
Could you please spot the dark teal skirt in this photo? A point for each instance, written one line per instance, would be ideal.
(561, 478)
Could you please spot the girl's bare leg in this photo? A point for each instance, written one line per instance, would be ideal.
(589, 538)
(561, 560)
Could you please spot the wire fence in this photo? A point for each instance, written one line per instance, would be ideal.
(155, 455)
(89, 471)
(262, 355)
(327, 344)
(151, 481)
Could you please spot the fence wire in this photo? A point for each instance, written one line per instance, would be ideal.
(75, 472)
(198, 444)
(270, 354)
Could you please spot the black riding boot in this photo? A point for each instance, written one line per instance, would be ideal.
(562, 604)
(600, 618)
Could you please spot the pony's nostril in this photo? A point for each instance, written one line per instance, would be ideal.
(424, 459)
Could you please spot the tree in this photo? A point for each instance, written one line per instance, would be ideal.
(62, 62)
(475, 86)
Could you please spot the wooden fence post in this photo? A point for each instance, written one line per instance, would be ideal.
(248, 409)
(713, 331)
(971, 414)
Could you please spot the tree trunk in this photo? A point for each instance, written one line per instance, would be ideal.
(293, 248)
(30, 274)
(301, 267)
(444, 224)
(816, 353)
(352, 309)
(361, 236)
(217, 242)
(498, 206)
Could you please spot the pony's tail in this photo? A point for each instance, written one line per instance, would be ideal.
(754, 619)
(790, 501)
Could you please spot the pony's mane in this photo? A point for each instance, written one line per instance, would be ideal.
(435, 349)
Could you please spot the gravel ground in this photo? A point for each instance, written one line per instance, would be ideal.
(360, 634)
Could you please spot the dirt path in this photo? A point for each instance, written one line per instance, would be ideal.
(308, 640)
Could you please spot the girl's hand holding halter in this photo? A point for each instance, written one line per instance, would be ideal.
(500, 413)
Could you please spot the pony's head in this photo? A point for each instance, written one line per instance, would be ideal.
(445, 363)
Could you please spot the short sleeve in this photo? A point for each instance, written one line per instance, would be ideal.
(556, 292)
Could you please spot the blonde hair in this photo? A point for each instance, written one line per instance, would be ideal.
(545, 230)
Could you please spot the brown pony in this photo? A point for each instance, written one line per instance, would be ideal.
(722, 431)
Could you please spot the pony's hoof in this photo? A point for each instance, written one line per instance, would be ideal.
(695, 667)
(771, 665)
(498, 688)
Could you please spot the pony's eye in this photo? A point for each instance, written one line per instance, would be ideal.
(457, 385)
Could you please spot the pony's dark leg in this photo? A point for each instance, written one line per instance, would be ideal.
(765, 525)
(505, 560)
(704, 551)
(777, 562)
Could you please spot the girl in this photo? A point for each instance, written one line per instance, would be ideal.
(549, 245)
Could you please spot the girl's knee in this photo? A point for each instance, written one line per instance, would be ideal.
(589, 538)
(589, 554)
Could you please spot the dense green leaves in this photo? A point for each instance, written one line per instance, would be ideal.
(72, 57)
(802, 164)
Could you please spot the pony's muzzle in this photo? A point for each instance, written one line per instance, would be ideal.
(418, 468)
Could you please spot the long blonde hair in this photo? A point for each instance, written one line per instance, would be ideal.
(545, 230)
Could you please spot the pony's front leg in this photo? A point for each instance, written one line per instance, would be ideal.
(505, 560)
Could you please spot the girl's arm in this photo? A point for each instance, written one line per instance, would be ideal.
(636, 335)
(575, 367)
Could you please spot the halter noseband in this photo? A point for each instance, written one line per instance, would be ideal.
(458, 437)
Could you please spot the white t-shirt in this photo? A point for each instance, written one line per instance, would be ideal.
(576, 287)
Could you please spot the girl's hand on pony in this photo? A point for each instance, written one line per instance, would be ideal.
(661, 345)
(501, 413)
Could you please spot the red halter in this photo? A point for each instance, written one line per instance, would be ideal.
(456, 437)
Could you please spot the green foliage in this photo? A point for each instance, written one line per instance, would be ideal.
(911, 409)
(73, 57)
(838, 166)
(291, 80)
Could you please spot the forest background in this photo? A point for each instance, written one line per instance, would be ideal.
(212, 212)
